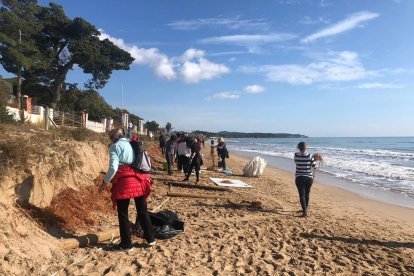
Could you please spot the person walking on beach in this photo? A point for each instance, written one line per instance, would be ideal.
(127, 183)
(222, 152)
(184, 153)
(196, 160)
(161, 139)
(170, 151)
(212, 153)
(305, 163)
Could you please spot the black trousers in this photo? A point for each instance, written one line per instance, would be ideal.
(142, 218)
(304, 184)
(184, 163)
(162, 149)
(195, 164)
(170, 161)
(223, 162)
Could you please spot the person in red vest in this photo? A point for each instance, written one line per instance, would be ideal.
(127, 183)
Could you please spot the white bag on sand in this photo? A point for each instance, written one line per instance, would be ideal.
(255, 167)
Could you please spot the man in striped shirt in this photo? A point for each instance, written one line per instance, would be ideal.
(305, 163)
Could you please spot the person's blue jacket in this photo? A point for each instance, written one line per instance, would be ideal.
(119, 152)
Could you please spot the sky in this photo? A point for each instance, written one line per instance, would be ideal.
(316, 67)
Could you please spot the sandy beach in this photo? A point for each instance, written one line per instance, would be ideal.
(344, 234)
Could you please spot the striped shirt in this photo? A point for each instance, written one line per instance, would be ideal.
(304, 164)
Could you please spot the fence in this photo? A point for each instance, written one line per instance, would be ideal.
(38, 115)
(66, 119)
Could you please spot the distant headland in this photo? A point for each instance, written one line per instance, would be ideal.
(231, 134)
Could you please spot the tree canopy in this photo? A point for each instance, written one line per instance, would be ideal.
(152, 126)
(53, 44)
(18, 49)
(66, 42)
(42, 44)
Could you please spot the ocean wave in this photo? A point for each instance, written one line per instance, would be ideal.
(376, 168)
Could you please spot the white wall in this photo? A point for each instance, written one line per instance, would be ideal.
(15, 112)
(95, 126)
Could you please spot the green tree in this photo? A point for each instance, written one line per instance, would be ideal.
(168, 127)
(152, 126)
(89, 100)
(134, 118)
(18, 50)
(66, 43)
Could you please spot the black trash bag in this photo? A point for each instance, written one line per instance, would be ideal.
(165, 232)
(166, 224)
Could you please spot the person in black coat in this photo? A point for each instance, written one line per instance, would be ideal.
(222, 152)
(162, 143)
(196, 160)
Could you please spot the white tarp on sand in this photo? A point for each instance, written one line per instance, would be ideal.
(233, 183)
(255, 167)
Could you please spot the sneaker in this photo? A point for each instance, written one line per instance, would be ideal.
(152, 243)
(123, 248)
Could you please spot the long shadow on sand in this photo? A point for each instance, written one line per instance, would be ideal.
(392, 244)
(250, 208)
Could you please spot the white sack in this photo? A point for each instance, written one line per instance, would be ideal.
(255, 167)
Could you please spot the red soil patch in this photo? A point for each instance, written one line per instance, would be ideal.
(73, 210)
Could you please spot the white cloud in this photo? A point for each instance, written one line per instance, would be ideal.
(248, 39)
(342, 66)
(254, 89)
(354, 20)
(201, 69)
(232, 23)
(307, 20)
(378, 85)
(191, 67)
(224, 96)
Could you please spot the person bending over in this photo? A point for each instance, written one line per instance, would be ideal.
(127, 183)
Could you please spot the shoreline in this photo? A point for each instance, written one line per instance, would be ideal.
(348, 200)
(323, 178)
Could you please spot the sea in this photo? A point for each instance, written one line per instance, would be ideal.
(380, 168)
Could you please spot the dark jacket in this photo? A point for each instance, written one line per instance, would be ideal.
(162, 140)
(222, 150)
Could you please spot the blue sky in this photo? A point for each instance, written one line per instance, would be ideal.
(320, 68)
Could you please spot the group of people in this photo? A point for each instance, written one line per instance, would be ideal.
(129, 183)
(186, 151)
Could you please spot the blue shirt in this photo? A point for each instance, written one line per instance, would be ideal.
(119, 152)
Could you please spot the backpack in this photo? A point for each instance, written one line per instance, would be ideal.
(142, 161)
